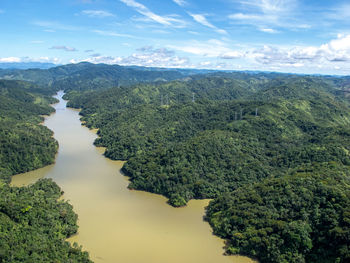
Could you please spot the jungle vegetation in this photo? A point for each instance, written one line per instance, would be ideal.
(33, 223)
(86, 76)
(272, 151)
(24, 144)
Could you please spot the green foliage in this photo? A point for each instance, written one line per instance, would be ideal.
(303, 217)
(34, 225)
(201, 149)
(24, 144)
(86, 76)
(280, 180)
(177, 200)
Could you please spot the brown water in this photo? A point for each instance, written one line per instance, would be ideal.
(116, 224)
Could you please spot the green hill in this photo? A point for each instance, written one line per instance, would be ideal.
(87, 76)
(24, 144)
(33, 223)
(271, 150)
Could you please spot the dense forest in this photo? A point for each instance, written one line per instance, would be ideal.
(303, 217)
(86, 76)
(33, 223)
(272, 150)
(24, 144)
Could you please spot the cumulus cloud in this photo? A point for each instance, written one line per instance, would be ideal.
(332, 55)
(201, 19)
(65, 48)
(337, 50)
(146, 56)
(143, 10)
(97, 13)
(10, 59)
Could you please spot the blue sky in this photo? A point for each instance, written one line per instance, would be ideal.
(271, 35)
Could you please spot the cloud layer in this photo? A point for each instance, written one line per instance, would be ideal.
(145, 56)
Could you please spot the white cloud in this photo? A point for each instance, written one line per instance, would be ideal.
(205, 63)
(10, 60)
(113, 34)
(333, 56)
(97, 13)
(335, 51)
(65, 48)
(146, 56)
(267, 14)
(143, 10)
(271, 6)
(232, 55)
(29, 59)
(212, 48)
(241, 16)
(180, 2)
(268, 30)
(201, 19)
(340, 44)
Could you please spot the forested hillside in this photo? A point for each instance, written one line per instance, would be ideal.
(24, 144)
(220, 135)
(33, 223)
(304, 217)
(86, 76)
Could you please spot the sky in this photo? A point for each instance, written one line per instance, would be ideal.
(298, 36)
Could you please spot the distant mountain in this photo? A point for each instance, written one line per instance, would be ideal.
(26, 65)
(87, 76)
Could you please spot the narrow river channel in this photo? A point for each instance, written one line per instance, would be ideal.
(116, 224)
